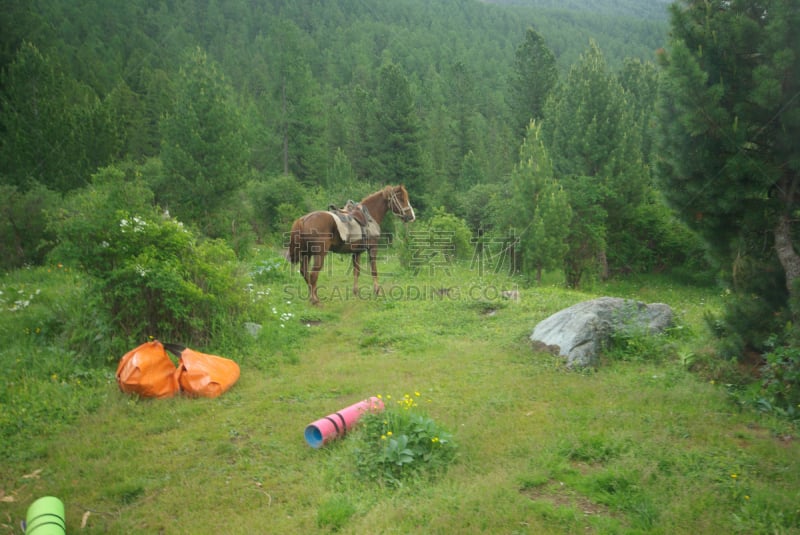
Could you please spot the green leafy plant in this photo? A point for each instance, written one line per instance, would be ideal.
(780, 383)
(402, 443)
(334, 513)
(437, 242)
(638, 346)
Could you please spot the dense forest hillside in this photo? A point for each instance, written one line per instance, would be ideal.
(272, 101)
(635, 9)
(128, 54)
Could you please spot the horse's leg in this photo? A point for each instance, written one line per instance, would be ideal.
(373, 260)
(319, 261)
(304, 261)
(356, 272)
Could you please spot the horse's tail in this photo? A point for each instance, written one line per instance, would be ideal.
(295, 238)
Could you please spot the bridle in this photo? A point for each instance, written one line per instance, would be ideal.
(398, 208)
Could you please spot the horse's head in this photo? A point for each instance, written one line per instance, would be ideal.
(399, 203)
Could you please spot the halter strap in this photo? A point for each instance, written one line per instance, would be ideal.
(395, 202)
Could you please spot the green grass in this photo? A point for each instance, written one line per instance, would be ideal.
(641, 445)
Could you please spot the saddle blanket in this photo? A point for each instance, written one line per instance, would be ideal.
(351, 231)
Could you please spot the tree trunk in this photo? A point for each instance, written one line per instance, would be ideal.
(787, 255)
(284, 108)
(602, 259)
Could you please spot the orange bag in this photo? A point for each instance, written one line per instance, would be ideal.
(148, 372)
(204, 375)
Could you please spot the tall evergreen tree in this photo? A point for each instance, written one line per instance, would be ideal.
(360, 110)
(341, 172)
(534, 76)
(639, 79)
(730, 110)
(541, 202)
(462, 101)
(399, 156)
(591, 131)
(204, 152)
(55, 130)
(473, 171)
(587, 236)
(295, 96)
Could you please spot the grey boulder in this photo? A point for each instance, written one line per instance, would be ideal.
(580, 331)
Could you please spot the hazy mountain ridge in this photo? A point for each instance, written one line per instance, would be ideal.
(639, 9)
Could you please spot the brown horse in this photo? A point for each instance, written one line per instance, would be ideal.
(316, 234)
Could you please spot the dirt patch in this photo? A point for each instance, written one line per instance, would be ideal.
(541, 347)
(559, 495)
(744, 435)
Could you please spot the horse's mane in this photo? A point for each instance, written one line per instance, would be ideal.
(385, 193)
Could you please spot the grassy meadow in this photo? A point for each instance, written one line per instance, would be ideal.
(643, 444)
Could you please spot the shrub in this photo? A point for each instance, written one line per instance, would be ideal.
(276, 201)
(23, 236)
(780, 382)
(657, 241)
(481, 205)
(436, 242)
(153, 276)
(637, 345)
(401, 443)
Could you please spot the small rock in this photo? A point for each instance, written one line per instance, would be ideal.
(253, 329)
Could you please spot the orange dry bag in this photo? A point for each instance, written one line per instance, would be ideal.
(148, 372)
(204, 375)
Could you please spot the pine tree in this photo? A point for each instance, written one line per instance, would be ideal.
(730, 161)
(340, 172)
(55, 130)
(399, 156)
(639, 79)
(295, 99)
(204, 152)
(587, 236)
(534, 76)
(591, 131)
(462, 107)
(542, 203)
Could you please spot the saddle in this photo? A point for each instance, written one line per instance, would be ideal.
(354, 222)
(352, 211)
